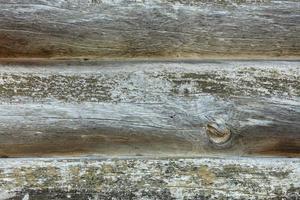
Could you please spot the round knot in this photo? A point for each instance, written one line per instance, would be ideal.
(218, 133)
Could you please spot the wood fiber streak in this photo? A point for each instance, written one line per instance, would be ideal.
(149, 28)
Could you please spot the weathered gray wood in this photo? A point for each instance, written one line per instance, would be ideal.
(189, 179)
(149, 28)
(146, 109)
(188, 108)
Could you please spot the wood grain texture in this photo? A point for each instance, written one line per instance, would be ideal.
(186, 179)
(149, 28)
(156, 121)
(143, 108)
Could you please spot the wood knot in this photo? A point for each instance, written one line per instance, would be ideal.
(218, 133)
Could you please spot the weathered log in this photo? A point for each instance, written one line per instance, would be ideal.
(189, 179)
(187, 108)
(149, 28)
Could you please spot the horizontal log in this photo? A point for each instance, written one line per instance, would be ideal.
(202, 178)
(149, 28)
(147, 108)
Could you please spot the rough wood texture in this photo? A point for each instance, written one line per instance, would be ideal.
(188, 179)
(149, 28)
(158, 108)
(133, 111)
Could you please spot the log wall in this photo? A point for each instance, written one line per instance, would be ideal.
(149, 99)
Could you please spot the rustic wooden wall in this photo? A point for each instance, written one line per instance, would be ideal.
(154, 99)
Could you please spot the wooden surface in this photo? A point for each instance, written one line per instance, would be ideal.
(187, 108)
(149, 99)
(150, 28)
(189, 179)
